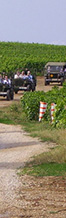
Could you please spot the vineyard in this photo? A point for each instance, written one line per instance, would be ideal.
(15, 55)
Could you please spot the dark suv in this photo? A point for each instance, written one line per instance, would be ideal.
(6, 91)
(55, 72)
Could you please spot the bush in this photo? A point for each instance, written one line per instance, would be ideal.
(31, 102)
(60, 115)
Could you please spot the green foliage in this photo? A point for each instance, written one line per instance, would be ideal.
(60, 115)
(34, 56)
(31, 103)
(45, 169)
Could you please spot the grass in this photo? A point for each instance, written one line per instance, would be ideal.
(45, 132)
(45, 169)
(11, 114)
(48, 163)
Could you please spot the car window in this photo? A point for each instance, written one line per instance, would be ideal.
(55, 69)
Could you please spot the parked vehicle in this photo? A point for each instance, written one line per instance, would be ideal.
(6, 91)
(55, 72)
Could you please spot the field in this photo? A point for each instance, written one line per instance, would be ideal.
(18, 56)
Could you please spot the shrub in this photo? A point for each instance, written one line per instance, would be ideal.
(31, 102)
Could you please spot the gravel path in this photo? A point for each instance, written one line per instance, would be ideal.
(27, 196)
(16, 148)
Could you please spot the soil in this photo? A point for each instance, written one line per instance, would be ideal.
(27, 196)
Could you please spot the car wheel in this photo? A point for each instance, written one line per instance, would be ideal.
(12, 95)
(46, 83)
(33, 87)
(28, 87)
(8, 95)
(61, 82)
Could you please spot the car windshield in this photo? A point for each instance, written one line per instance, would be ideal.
(55, 68)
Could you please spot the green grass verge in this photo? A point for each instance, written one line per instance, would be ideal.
(45, 169)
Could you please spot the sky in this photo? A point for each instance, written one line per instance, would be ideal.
(33, 21)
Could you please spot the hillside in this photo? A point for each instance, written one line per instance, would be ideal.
(15, 55)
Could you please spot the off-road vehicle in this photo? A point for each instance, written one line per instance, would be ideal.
(55, 72)
(26, 84)
(6, 91)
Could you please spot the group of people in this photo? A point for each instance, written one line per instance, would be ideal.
(23, 75)
(5, 80)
